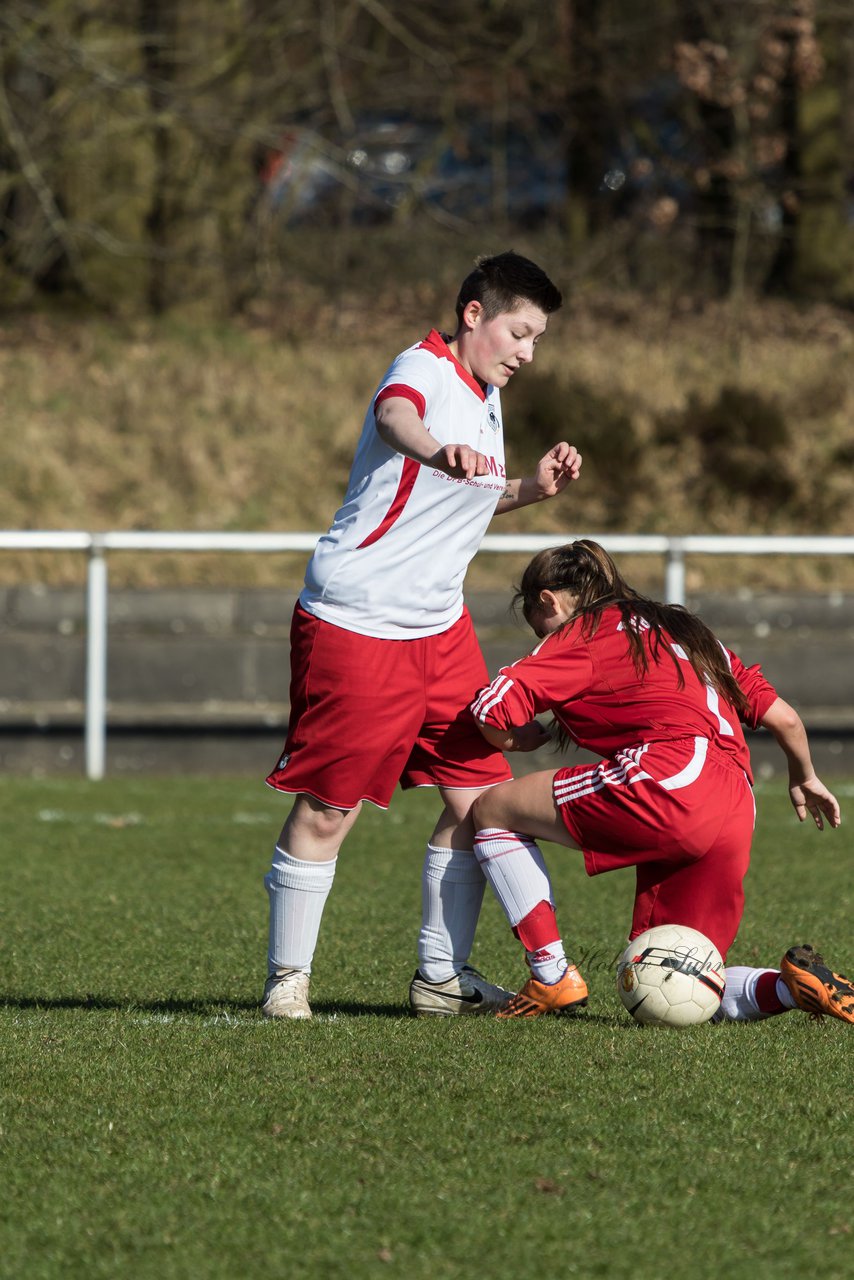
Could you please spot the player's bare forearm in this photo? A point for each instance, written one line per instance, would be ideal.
(399, 425)
(806, 790)
(560, 466)
(788, 728)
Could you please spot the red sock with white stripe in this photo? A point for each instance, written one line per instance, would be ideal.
(753, 994)
(516, 870)
(539, 935)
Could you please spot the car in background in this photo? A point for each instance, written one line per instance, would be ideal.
(392, 167)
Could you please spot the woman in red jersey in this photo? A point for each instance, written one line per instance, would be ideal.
(648, 687)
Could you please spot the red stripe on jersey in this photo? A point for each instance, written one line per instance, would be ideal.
(407, 480)
(436, 343)
(405, 393)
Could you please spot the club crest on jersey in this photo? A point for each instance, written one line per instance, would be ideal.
(493, 418)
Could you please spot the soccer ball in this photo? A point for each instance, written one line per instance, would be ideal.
(671, 976)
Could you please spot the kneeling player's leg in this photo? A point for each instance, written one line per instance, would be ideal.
(804, 982)
(451, 754)
(517, 873)
(705, 894)
(752, 994)
(708, 895)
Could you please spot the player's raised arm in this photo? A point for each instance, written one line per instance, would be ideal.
(560, 466)
(806, 791)
(400, 426)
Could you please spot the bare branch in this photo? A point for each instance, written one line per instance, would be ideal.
(33, 176)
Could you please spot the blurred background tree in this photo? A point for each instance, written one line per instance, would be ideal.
(173, 151)
(212, 214)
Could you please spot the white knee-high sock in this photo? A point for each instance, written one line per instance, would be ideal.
(748, 999)
(298, 891)
(516, 870)
(452, 886)
(519, 878)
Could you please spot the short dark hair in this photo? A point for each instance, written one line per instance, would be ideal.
(505, 281)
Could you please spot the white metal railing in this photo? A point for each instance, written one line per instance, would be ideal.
(674, 549)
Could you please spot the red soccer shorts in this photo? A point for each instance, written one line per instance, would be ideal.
(683, 815)
(369, 713)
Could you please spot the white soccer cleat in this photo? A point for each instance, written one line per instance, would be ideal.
(466, 993)
(286, 995)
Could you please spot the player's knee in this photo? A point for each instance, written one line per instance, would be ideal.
(486, 810)
(327, 823)
(311, 819)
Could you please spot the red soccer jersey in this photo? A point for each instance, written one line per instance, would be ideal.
(590, 684)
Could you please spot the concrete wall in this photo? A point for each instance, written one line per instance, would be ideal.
(199, 679)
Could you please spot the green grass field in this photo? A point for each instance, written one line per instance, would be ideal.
(153, 1125)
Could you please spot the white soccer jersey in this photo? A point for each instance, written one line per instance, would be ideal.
(392, 564)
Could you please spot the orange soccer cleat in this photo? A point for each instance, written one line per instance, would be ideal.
(537, 998)
(815, 988)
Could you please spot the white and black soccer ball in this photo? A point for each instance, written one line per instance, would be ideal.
(671, 976)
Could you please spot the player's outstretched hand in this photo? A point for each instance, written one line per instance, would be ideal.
(813, 797)
(560, 466)
(460, 461)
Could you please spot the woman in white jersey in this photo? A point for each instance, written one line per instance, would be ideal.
(383, 652)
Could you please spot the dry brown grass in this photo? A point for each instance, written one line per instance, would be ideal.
(181, 426)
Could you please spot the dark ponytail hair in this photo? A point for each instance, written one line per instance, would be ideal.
(586, 571)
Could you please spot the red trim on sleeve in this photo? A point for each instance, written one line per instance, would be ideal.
(404, 488)
(405, 393)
